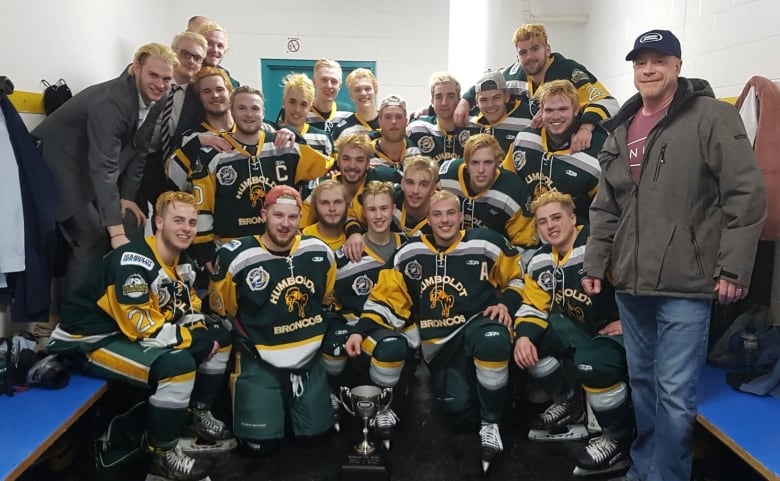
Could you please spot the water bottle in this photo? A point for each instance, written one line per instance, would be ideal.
(749, 349)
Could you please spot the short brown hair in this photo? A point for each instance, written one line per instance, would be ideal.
(246, 89)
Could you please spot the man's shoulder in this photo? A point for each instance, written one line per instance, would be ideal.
(489, 237)
(564, 68)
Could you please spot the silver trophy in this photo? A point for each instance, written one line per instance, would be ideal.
(365, 401)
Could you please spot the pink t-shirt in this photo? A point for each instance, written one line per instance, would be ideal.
(640, 127)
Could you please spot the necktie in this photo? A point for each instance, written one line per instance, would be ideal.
(165, 128)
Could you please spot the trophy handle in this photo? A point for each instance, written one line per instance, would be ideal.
(386, 399)
(345, 391)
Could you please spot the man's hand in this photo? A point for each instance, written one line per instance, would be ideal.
(140, 217)
(536, 122)
(614, 328)
(214, 351)
(525, 353)
(500, 313)
(353, 345)
(729, 292)
(461, 114)
(416, 114)
(215, 142)
(581, 139)
(592, 285)
(353, 247)
(283, 138)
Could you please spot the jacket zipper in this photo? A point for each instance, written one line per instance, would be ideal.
(660, 163)
(695, 246)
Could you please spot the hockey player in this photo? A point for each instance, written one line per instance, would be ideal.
(390, 143)
(385, 351)
(536, 64)
(274, 286)
(330, 200)
(231, 185)
(500, 115)
(297, 100)
(490, 196)
(326, 111)
(543, 157)
(363, 88)
(420, 178)
(558, 323)
(136, 320)
(460, 288)
(437, 136)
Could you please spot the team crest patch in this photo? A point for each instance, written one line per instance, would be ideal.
(215, 303)
(257, 195)
(445, 166)
(340, 252)
(362, 285)
(545, 281)
(578, 75)
(518, 159)
(463, 136)
(426, 144)
(135, 286)
(257, 279)
(413, 270)
(135, 259)
(227, 175)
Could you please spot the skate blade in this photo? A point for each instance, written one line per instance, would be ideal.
(337, 427)
(485, 466)
(155, 477)
(195, 446)
(386, 444)
(621, 465)
(574, 432)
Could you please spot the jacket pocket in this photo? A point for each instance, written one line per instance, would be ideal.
(661, 162)
(696, 251)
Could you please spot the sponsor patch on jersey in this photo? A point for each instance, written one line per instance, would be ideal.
(135, 259)
(578, 75)
(413, 271)
(343, 122)
(340, 252)
(227, 175)
(444, 167)
(463, 137)
(362, 285)
(317, 259)
(545, 280)
(510, 136)
(135, 286)
(472, 262)
(594, 93)
(426, 144)
(232, 245)
(570, 172)
(257, 279)
(518, 159)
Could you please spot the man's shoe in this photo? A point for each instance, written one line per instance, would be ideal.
(490, 440)
(173, 465)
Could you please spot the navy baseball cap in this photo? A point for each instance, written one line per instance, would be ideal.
(662, 41)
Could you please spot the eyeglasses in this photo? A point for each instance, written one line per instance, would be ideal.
(187, 55)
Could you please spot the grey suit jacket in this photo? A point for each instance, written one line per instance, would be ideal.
(95, 148)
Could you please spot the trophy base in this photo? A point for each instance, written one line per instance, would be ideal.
(374, 467)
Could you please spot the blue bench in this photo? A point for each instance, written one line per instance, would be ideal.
(34, 419)
(748, 425)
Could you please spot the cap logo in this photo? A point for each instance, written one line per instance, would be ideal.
(651, 37)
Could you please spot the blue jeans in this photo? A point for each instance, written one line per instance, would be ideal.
(666, 343)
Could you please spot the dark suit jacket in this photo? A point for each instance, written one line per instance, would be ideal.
(95, 148)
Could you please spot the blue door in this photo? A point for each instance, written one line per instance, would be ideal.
(273, 70)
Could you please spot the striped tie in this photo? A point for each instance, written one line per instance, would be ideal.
(165, 128)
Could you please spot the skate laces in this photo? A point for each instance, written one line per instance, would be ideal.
(490, 436)
(335, 403)
(385, 419)
(297, 384)
(207, 421)
(179, 462)
(601, 448)
(555, 413)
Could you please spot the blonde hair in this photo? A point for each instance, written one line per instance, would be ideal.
(246, 89)
(480, 141)
(214, 27)
(362, 73)
(208, 71)
(553, 196)
(328, 184)
(443, 78)
(530, 31)
(326, 62)
(379, 187)
(195, 37)
(441, 195)
(415, 163)
(166, 199)
(559, 87)
(361, 140)
(301, 82)
(158, 50)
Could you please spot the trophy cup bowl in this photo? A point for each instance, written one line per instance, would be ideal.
(365, 402)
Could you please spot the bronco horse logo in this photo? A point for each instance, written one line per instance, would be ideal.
(257, 194)
(295, 297)
(446, 301)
